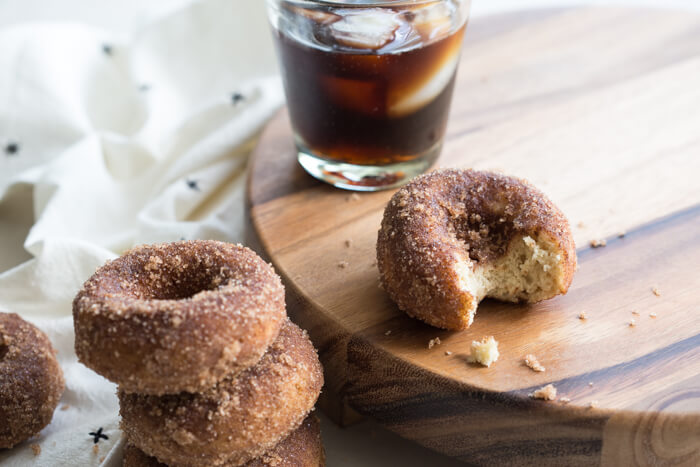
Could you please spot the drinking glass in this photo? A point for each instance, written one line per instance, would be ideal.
(368, 84)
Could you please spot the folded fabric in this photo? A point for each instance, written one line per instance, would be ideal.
(112, 143)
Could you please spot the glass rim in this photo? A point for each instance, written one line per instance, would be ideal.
(364, 3)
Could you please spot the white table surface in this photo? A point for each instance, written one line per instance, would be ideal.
(367, 443)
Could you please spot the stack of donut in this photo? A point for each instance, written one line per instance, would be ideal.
(210, 370)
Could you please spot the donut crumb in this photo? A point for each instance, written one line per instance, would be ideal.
(485, 351)
(582, 316)
(655, 291)
(272, 460)
(564, 400)
(652, 314)
(36, 449)
(343, 264)
(95, 448)
(598, 243)
(593, 404)
(532, 362)
(448, 353)
(433, 342)
(547, 393)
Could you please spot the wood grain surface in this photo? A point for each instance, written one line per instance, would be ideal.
(600, 108)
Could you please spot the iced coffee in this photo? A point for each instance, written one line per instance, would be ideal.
(368, 84)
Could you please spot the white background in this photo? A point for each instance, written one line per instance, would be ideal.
(365, 444)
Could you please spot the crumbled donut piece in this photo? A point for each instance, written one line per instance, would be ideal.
(485, 351)
(547, 393)
(532, 362)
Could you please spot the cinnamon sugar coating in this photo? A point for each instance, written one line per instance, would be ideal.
(235, 421)
(302, 448)
(31, 380)
(175, 317)
(448, 227)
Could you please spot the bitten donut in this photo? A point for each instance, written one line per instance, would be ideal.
(452, 237)
(31, 381)
(302, 448)
(177, 317)
(237, 420)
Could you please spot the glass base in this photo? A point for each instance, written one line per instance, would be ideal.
(366, 177)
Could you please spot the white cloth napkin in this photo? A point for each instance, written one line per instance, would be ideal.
(113, 142)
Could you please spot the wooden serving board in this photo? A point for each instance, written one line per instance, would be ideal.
(600, 108)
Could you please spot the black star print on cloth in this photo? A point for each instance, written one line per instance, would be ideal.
(107, 49)
(193, 184)
(237, 97)
(97, 435)
(11, 148)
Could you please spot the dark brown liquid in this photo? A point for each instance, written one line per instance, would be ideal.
(343, 105)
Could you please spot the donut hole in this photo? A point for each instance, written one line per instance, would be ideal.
(176, 277)
(181, 284)
(485, 237)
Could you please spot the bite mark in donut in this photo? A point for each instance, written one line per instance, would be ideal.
(452, 237)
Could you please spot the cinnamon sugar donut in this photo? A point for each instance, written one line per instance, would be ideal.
(177, 317)
(237, 420)
(31, 381)
(302, 448)
(452, 237)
